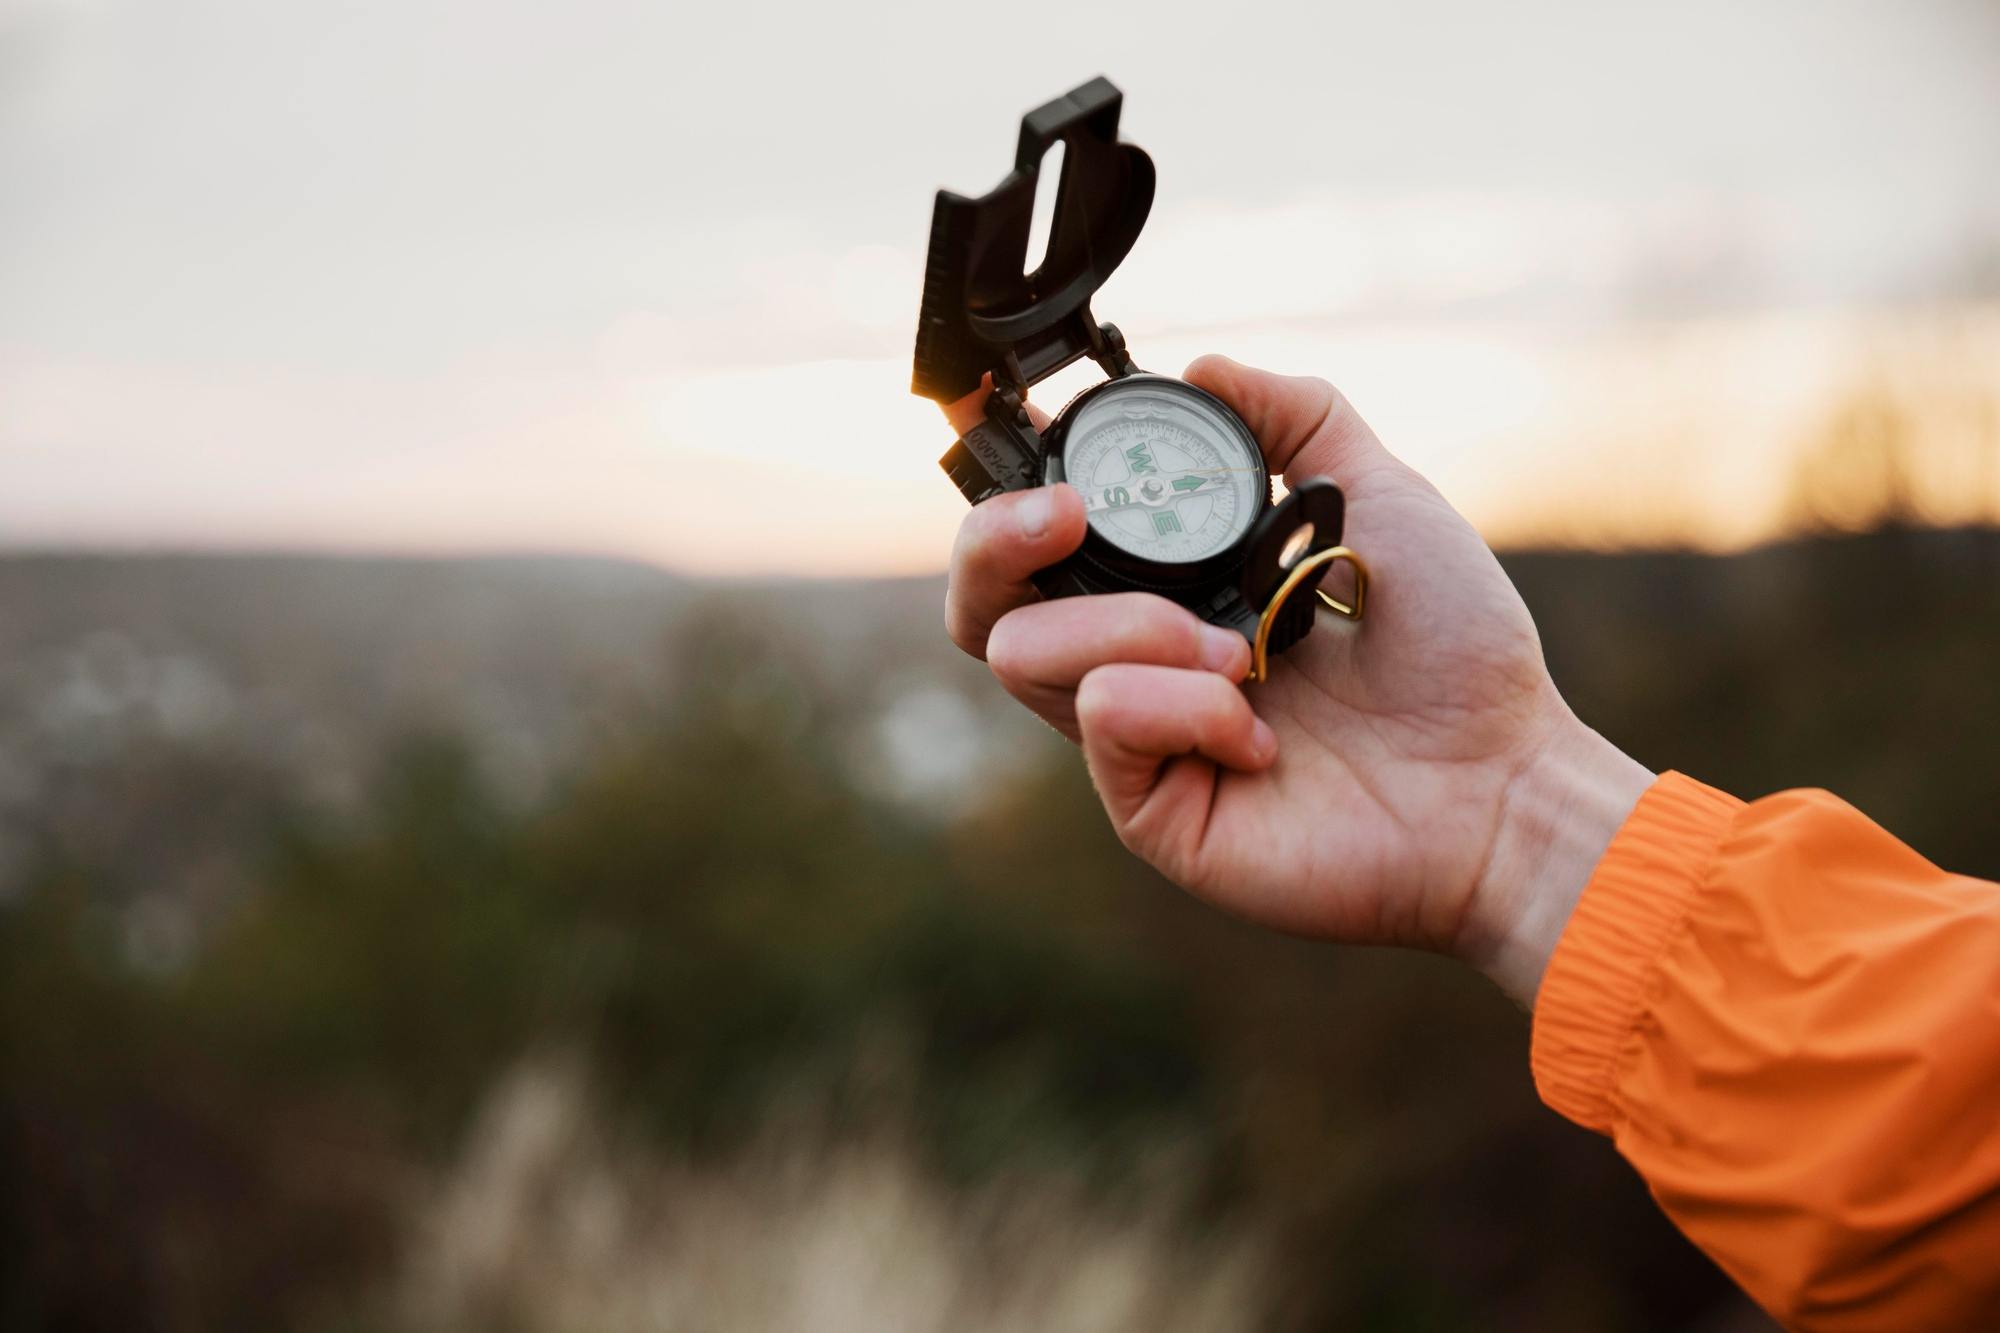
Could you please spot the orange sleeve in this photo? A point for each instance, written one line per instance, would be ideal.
(1789, 1022)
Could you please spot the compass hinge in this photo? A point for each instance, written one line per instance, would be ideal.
(1107, 349)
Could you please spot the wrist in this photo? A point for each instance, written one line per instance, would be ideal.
(1558, 815)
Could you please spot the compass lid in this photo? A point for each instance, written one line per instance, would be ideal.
(981, 311)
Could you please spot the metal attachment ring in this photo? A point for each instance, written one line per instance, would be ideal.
(1259, 664)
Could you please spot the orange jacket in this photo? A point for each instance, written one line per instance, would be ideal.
(1789, 1022)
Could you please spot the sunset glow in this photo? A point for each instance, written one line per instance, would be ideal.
(1607, 343)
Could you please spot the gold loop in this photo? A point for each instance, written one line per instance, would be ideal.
(1258, 653)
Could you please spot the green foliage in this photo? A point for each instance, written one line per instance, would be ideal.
(1865, 665)
(703, 912)
(709, 913)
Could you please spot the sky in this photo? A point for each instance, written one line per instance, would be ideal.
(639, 279)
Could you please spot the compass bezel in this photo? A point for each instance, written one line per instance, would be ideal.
(1144, 570)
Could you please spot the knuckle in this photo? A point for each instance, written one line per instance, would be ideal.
(965, 628)
(1182, 636)
(1143, 621)
(976, 534)
(1333, 403)
(1097, 694)
(963, 637)
(1006, 649)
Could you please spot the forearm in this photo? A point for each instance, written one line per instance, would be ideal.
(1790, 1024)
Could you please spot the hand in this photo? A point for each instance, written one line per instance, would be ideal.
(1413, 779)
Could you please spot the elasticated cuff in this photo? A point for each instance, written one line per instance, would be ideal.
(1591, 995)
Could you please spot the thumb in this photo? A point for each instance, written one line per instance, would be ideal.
(1306, 427)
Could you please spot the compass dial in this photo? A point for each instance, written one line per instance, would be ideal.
(1165, 474)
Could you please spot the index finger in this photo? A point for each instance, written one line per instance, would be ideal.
(1003, 541)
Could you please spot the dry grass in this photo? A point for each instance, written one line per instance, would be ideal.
(549, 1223)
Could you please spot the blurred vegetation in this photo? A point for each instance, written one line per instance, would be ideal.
(227, 1132)
(1868, 665)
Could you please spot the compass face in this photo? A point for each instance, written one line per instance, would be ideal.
(1165, 473)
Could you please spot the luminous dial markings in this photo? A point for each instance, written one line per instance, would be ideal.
(1160, 477)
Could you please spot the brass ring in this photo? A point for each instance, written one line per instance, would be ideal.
(1258, 647)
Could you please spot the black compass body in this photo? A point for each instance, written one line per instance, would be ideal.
(1176, 490)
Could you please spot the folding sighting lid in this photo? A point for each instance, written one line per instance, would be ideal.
(982, 313)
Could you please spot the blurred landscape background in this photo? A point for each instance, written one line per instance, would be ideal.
(493, 835)
(541, 944)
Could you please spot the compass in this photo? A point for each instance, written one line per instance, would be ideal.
(1176, 490)
(1168, 474)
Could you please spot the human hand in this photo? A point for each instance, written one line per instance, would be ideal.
(1413, 779)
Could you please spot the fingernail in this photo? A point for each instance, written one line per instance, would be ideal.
(1034, 512)
(1221, 650)
(1263, 740)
